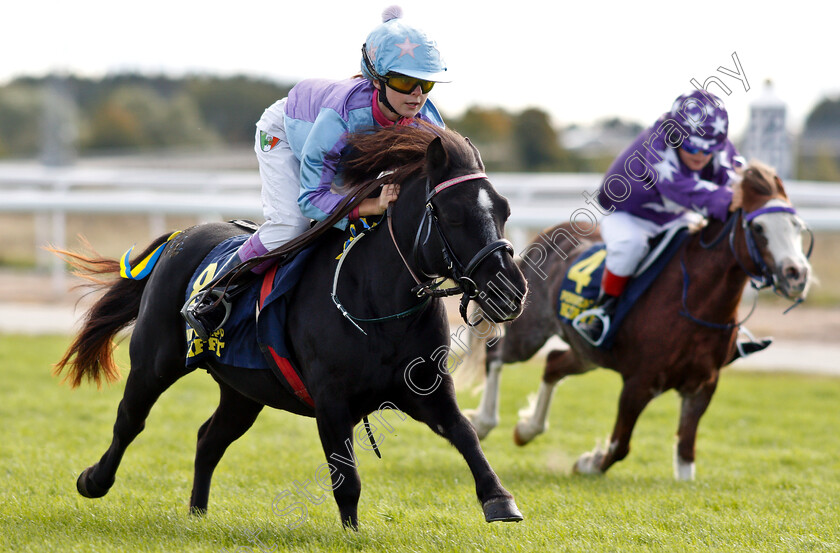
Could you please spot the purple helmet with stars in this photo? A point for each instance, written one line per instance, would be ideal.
(397, 47)
(703, 116)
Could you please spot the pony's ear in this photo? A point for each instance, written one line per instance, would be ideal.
(436, 157)
(477, 154)
(780, 187)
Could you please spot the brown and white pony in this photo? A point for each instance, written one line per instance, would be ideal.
(680, 333)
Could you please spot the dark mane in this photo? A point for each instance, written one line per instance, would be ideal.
(401, 149)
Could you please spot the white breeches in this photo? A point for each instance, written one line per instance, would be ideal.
(626, 237)
(280, 174)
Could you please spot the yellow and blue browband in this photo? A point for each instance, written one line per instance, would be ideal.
(142, 269)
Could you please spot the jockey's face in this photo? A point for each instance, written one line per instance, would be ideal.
(695, 162)
(406, 105)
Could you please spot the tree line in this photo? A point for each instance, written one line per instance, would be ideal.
(131, 112)
(135, 112)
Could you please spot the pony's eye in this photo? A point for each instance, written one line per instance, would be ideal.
(758, 228)
(452, 217)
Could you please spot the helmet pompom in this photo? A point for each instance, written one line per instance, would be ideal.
(391, 12)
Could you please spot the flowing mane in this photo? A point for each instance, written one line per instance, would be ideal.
(401, 149)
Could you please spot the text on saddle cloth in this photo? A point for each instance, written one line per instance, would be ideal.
(582, 284)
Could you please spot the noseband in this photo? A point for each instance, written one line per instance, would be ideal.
(766, 277)
(759, 281)
(457, 271)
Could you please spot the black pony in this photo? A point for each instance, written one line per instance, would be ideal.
(448, 222)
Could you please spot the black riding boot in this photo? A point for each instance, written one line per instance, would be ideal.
(197, 313)
(603, 311)
(748, 347)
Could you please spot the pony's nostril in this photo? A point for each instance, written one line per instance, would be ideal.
(792, 273)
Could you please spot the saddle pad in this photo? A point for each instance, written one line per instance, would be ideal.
(582, 284)
(253, 337)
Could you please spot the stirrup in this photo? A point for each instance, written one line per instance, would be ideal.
(746, 348)
(752, 344)
(584, 328)
(192, 310)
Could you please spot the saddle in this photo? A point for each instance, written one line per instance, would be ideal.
(253, 334)
(581, 286)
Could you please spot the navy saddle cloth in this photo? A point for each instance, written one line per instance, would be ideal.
(253, 337)
(582, 284)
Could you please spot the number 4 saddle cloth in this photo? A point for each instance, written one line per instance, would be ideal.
(582, 284)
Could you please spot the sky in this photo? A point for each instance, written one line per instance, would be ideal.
(578, 61)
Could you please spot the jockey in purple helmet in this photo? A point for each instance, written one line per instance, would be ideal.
(680, 168)
(299, 139)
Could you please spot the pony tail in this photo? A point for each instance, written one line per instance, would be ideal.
(91, 355)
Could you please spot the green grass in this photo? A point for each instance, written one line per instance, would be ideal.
(767, 473)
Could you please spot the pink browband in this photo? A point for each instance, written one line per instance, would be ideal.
(452, 182)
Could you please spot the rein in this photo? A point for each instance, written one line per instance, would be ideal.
(757, 281)
(460, 273)
(353, 319)
(287, 250)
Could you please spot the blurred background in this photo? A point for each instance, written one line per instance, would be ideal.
(118, 127)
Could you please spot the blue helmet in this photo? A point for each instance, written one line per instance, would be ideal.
(397, 47)
(703, 116)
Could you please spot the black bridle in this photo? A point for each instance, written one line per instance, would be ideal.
(459, 272)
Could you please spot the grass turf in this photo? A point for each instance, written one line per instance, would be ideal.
(767, 473)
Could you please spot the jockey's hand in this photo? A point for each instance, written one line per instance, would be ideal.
(377, 206)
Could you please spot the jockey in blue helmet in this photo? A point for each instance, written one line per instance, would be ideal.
(401, 57)
(299, 140)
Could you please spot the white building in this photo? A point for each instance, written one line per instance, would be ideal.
(767, 138)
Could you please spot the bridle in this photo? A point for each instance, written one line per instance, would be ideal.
(766, 277)
(758, 281)
(459, 272)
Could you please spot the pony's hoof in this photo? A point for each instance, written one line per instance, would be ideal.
(588, 464)
(351, 523)
(502, 509)
(88, 488)
(517, 438)
(198, 511)
(523, 434)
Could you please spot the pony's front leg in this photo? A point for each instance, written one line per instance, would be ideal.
(335, 427)
(635, 395)
(693, 407)
(440, 412)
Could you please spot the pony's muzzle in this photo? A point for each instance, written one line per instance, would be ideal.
(794, 278)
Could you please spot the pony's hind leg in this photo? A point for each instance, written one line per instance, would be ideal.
(534, 418)
(693, 407)
(233, 417)
(146, 382)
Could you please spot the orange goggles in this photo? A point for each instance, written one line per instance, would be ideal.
(406, 85)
